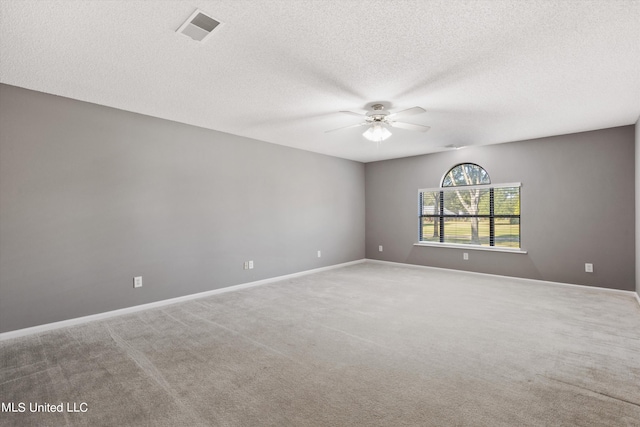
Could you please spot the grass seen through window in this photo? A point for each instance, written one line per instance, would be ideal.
(507, 231)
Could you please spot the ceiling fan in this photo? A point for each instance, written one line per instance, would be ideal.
(378, 119)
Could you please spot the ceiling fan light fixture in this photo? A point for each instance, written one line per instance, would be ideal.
(377, 133)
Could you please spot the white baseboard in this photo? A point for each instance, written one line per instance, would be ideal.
(521, 279)
(128, 310)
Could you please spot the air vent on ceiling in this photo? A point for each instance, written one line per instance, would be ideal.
(199, 26)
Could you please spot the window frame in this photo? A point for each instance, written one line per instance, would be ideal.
(492, 216)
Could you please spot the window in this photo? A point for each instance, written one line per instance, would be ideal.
(468, 209)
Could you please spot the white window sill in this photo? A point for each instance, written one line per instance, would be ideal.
(472, 247)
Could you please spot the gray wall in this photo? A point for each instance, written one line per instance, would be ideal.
(637, 146)
(577, 206)
(92, 196)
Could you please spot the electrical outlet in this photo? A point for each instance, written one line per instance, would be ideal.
(137, 282)
(319, 254)
(250, 265)
(588, 267)
(246, 265)
(465, 256)
(380, 248)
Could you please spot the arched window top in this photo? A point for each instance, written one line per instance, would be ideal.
(465, 174)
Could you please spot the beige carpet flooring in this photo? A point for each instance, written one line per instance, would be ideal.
(364, 345)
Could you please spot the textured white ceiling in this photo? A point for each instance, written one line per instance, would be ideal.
(280, 70)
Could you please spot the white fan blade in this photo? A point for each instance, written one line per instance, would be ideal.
(354, 113)
(407, 112)
(347, 127)
(409, 126)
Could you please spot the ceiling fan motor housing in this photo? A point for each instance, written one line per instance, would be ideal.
(378, 114)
